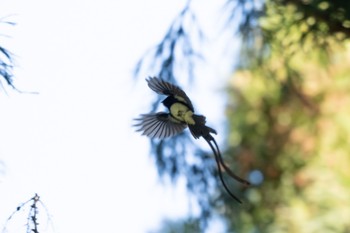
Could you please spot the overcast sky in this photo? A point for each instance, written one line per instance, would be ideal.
(73, 143)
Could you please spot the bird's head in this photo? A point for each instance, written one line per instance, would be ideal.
(170, 100)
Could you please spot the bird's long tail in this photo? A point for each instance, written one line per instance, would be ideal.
(199, 129)
(226, 168)
(218, 162)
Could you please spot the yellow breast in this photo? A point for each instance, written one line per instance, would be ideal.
(182, 113)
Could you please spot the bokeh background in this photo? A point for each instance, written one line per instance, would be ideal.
(271, 76)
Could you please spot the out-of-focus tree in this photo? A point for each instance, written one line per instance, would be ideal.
(6, 63)
(288, 121)
(288, 118)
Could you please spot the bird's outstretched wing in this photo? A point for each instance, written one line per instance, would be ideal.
(164, 88)
(159, 125)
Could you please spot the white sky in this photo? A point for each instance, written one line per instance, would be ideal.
(73, 143)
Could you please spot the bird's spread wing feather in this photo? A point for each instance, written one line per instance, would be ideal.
(159, 125)
(164, 88)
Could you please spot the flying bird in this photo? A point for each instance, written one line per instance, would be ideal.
(181, 115)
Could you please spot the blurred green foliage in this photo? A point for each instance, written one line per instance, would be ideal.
(289, 119)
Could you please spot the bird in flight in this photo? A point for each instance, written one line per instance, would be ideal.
(181, 115)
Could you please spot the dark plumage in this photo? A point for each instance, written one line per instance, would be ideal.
(181, 114)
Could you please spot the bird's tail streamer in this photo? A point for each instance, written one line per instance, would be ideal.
(199, 129)
(220, 163)
(226, 168)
